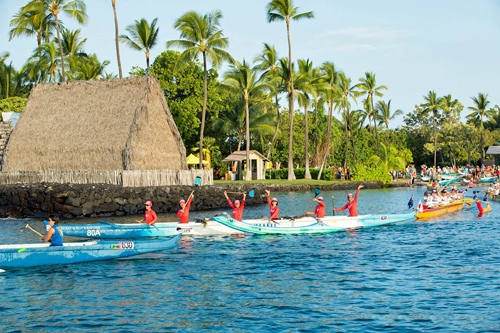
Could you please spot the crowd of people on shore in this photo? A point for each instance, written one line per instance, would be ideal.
(470, 172)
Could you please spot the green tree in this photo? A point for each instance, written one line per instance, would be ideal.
(369, 87)
(433, 105)
(243, 79)
(283, 10)
(347, 92)
(387, 160)
(143, 37)
(479, 113)
(33, 19)
(91, 68)
(44, 65)
(331, 78)
(384, 113)
(73, 47)
(113, 3)
(201, 34)
(451, 108)
(75, 9)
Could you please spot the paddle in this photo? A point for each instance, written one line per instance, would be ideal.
(36, 232)
(108, 223)
(251, 193)
(197, 182)
(317, 192)
(333, 206)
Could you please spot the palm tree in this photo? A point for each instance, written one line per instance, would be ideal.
(283, 10)
(113, 3)
(433, 104)
(242, 79)
(13, 83)
(387, 160)
(144, 37)
(268, 63)
(385, 114)
(479, 113)
(73, 47)
(201, 34)
(369, 86)
(45, 62)
(449, 107)
(91, 68)
(305, 90)
(33, 20)
(331, 78)
(75, 9)
(367, 112)
(347, 91)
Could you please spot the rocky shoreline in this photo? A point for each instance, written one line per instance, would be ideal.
(70, 201)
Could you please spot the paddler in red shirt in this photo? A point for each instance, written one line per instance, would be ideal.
(237, 206)
(183, 213)
(273, 205)
(149, 214)
(352, 204)
(320, 208)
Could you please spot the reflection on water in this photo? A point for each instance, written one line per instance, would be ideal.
(440, 275)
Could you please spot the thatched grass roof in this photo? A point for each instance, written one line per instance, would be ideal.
(117, 124)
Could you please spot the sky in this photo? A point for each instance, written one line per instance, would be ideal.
(449, 46)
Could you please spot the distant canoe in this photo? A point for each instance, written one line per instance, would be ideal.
(489, 179)
(26, 255)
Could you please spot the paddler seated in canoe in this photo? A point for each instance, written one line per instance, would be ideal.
(433, 200)
(149, 214)
(320, 208)
(273, 205)
(55, 234)
(237, 206)
(352, 204)
(183, 213)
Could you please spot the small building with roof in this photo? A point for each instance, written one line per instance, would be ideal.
(257, 164)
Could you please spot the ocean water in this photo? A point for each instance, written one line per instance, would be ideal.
(440, 275)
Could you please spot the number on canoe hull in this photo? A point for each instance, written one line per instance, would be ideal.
(93, 232)
(123, 246)
(383, 218)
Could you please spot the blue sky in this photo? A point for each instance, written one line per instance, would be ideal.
(450, 46)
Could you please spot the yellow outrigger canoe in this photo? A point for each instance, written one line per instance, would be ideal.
(444, 209)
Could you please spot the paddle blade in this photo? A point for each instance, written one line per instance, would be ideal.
(197, 181)
(317, 191)
(251, 193)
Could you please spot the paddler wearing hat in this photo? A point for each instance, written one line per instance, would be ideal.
(352, 204)
(320, 208)
(183, 213)
(237, 206)
(149, 214)
(273, 205)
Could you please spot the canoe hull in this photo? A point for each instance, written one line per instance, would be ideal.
(494, 197)
(440, 210)
(27, 255)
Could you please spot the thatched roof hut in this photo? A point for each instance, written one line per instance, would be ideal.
(117, 124)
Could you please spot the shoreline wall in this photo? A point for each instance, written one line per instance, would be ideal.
(74, 200)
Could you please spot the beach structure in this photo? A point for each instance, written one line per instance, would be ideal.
(494, 150)
(117, 131)
(257, 164)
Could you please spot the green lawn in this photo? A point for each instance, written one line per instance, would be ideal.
(282, 181)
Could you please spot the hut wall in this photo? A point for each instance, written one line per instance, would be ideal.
(5, 131)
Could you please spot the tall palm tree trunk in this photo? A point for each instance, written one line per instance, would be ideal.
(370, 121)
(307, 174)
(316, 158)
(277, 128)
(375, 125)
(482, 150)
(113, 2)
(291, 174)
(60, 49)
(346, 140)
(147, 63)
(203, 110)
(247, 125)
(39, 41)
(352, 137)
(435, 138)
(328, 137)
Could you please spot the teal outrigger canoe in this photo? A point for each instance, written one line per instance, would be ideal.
(311, 225)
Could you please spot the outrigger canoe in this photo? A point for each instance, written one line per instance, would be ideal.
(489, 179)
(310, 225)
(107, 230)
(443, 209)
(26, 255)
(483, 209)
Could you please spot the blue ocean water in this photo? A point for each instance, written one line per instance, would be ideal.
(442, 274)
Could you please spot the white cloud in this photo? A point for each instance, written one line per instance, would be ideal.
(371, 39)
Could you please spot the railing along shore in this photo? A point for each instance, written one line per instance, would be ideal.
(125, 178)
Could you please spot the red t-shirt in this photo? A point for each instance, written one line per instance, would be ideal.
(320, 210)
(275, 211)
(352, 206)
(185, 215)
(237, 212)
(150, 216)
